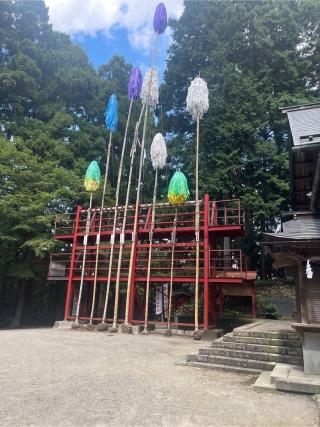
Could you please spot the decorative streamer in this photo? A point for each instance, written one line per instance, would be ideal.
(160, 20)
(134, 88)
(158, 154)
(92, 177)
(112, 114)
(150, 88)
(91, 183)
(198, 98)
(178, 192)
(150, 83)
(135, 84)
(111, 121)
(197, 105)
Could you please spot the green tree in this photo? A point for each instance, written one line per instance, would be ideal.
(256, 56)
(52, 107)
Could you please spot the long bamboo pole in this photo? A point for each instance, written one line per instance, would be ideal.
(145, 331)
(197, 229)
(132, 154)
(173, 241)
(136, 215)
(115, 212)
(85, 243)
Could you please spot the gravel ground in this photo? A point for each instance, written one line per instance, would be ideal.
(52, 377)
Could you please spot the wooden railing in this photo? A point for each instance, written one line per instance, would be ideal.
(223, 213)
(222, 263)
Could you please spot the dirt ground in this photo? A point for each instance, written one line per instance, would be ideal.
(52, 377)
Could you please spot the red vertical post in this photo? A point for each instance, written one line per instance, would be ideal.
(206, 262)
(73, 255)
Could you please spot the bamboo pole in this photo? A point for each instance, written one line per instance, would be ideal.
(145, 331)
(100, 225)
(197, 229)
(85, 241)
(173, 241)
(136, 215)
(115, 212)
(132, 154)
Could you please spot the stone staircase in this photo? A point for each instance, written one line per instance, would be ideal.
(249, 351)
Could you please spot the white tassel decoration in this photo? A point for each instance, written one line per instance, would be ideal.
(151, 91)
(158, 152)
(198, 98)
(309, 271)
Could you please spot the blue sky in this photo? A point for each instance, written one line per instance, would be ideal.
(100, 49)
(107, 27)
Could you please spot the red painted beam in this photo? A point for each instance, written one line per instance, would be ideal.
(73, 254)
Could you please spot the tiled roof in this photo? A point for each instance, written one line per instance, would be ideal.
(304, 125)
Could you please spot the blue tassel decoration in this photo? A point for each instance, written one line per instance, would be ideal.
(112, 114)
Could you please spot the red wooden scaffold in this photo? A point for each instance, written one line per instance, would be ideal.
(222, 271)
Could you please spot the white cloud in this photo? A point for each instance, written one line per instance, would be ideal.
(87, 17)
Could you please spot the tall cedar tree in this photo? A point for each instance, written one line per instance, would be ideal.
(52, 104)
(256, 57)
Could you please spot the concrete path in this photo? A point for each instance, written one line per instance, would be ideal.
(72, 378)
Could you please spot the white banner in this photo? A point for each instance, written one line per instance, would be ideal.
(165, 299)
(74, 303)
(159, 300)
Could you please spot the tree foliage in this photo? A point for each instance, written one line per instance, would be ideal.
(256, 57)
(52, 104)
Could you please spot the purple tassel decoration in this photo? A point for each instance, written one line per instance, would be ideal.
(160, 20)
(135, 84)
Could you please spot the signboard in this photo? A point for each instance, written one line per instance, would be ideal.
(162, 300)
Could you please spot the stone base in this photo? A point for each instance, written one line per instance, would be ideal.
(197, 335)
(264, 383)
(125, 328)
(90, 327)
(136, 329)
(145, 332)
(285, 377)
(102, 327)
(63, 324)
(75, 325)
(310, 337)
(114, 329)
(173, 331)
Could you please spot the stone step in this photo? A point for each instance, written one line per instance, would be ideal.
(292, 351)
(291, 378)
(272, 335)
(251, 355)
(221, 367)
(263, 341)
(231, 361)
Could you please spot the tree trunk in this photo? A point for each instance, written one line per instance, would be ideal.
(2, 295)
(19, 304)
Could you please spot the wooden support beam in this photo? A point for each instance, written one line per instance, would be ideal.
(315, 186)
(302, 292)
